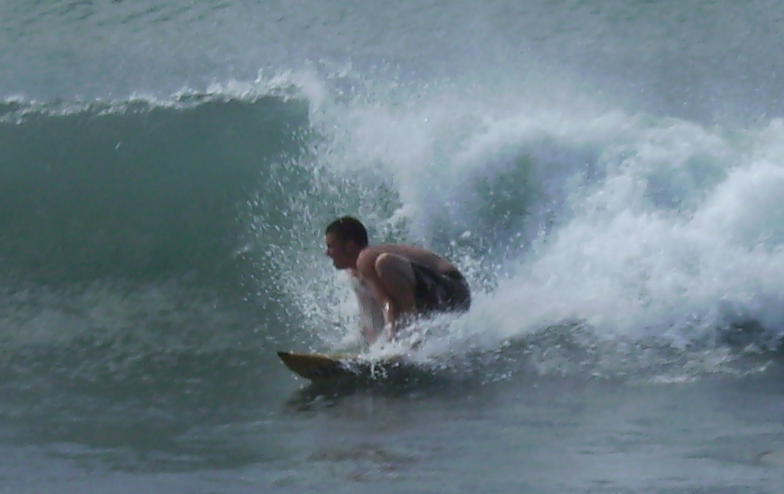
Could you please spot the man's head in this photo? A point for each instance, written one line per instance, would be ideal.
(345, 239)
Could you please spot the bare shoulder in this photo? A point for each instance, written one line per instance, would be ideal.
(367, 258)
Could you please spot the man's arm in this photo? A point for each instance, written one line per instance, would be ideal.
(369, 328)
(366, 268)
(371, 317)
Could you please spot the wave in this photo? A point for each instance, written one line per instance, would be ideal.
(643, 231)
(137, 189)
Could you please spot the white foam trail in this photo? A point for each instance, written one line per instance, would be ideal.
(634, 265)
(665, 228)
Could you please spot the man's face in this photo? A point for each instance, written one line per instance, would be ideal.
(343, 254)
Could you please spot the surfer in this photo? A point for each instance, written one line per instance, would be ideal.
(393, 283)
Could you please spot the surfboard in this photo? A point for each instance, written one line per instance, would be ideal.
(331, 366)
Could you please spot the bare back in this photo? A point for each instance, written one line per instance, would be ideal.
(416, 254)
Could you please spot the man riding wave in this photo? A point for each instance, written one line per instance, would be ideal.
(393, 282)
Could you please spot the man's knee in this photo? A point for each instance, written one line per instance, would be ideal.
(392, 266)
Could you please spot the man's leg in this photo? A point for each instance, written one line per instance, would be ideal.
(397, 279)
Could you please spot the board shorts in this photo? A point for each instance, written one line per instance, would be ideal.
(440, 292)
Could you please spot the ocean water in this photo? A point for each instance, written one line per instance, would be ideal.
(609, 176)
